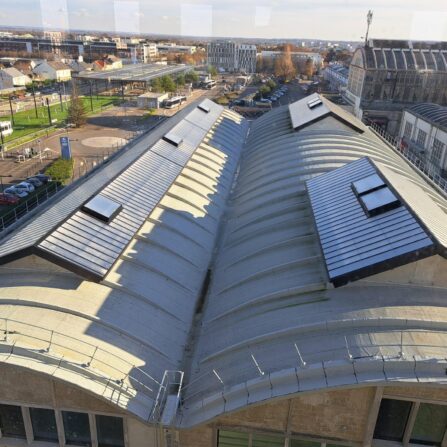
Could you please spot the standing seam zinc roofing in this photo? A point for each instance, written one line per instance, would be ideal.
(269, 283)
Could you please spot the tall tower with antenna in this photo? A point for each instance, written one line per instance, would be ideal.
(369, 18)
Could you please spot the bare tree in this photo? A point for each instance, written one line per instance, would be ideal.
(284, 67)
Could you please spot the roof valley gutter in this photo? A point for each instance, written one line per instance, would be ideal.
(191, 344)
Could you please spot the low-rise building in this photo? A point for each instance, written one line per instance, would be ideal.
(52, 70)
(151, 100)
(423, 131)
(281, 284)
(11, 77)
(164, 48)
(386, 76)
(109, 62)
(295, 55)
(337, 77)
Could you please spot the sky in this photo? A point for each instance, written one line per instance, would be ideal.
(312, 19)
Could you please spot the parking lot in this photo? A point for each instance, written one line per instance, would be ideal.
(104, 134)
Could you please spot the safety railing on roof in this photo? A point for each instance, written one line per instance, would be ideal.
(426, 167)
(105, 368)
(400, 345)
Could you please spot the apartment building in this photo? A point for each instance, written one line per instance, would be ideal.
(231, 56)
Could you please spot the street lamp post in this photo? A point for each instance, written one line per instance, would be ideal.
(10, 108)
(34, 97)
(49, 111)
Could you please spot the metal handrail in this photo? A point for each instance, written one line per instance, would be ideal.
(294, 357)
(426, 167)
(10, 329)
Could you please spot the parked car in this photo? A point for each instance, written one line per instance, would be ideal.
(267, 101)
(34, 181)
(8, 199)
(43, 178)
(16, 192)
(28, 187)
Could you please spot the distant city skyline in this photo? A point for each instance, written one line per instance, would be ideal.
(281, 19)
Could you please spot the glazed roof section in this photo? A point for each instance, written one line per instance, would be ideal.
(433, 113)
(356, 244)
(405, 58)
(88, 246)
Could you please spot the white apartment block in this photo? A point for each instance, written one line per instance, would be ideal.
(150, 52)
(232, 57)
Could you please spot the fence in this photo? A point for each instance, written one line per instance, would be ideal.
(394, 344)
(428, 169)
(70, 353)
(23, 208)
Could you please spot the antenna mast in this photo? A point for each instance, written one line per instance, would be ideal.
(369, 18)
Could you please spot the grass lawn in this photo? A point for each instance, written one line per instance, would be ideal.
(27, 123)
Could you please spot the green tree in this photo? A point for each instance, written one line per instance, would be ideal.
(212, 71)
(272, 84)
(168, 84)
(181, 80)
(76, 112)
(191, 76)
(264, 90)
(156, 85)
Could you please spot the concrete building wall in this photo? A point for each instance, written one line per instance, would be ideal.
(41, 391)
(345, 416)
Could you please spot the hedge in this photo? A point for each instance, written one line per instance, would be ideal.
(61, 170)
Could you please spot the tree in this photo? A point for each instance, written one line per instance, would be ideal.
(192, 76)
(310, 68)
(284, 67)
(76, 112)
(181, 80)
(271, 84)
(212, 71)
(168, 84)
(156, 86)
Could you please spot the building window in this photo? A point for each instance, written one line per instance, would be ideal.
(76, 428)
(11, 422)
(426, 426)
(422, 136)
(267, 440)
(408, 129)
(437, 150)
(232, 439)
(110, 431)
(392, 419)
(44, 425)
(430, 424)
(302, 443)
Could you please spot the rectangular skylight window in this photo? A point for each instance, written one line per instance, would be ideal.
(205, 109)
(379, 201)
(102, 208)
(314, 103)
(367, 184)
(173, 139)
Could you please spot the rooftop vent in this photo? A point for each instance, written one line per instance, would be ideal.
(173, 139)
(314, 103)
(374, 195)
(102, 208)
(204, 108)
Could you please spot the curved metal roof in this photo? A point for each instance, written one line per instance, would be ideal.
(117, 338)
(433, 113)
(403, 59)
(272, 326)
